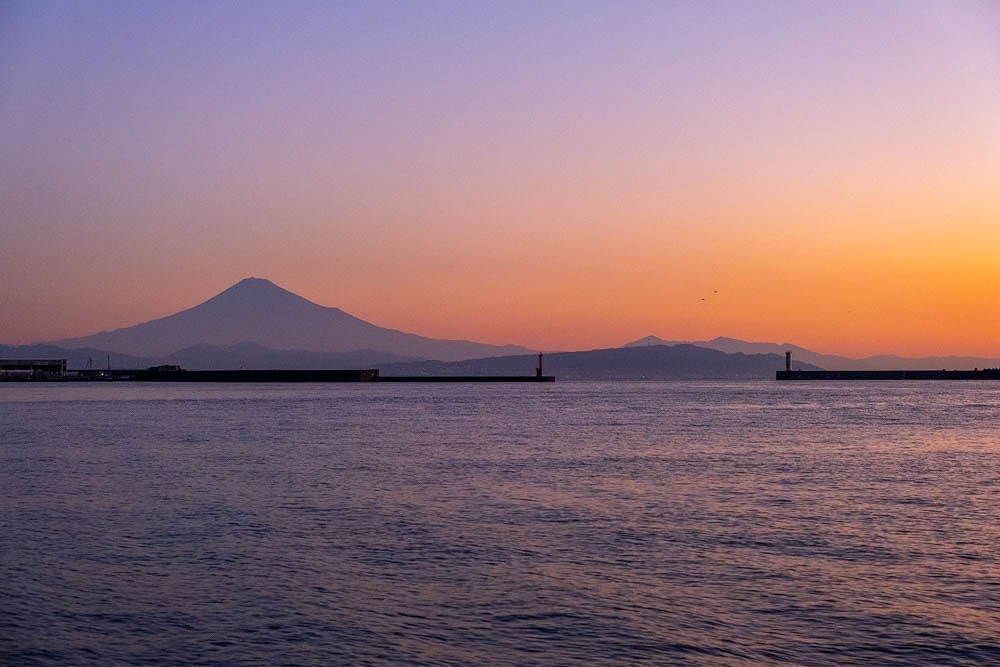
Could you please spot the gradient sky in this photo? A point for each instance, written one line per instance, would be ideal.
(562, 175)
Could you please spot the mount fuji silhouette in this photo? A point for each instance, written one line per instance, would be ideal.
(255, 310)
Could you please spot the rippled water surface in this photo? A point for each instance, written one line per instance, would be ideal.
(576, 523)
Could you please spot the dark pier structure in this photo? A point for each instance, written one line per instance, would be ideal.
(975, 374)
(366, 375)
(176, 374)
(978, 374)
(171, 373)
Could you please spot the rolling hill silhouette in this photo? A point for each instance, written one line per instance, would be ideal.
(831, 362)
(655, 362)
(258, 311)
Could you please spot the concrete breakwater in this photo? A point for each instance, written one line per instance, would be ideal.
(976, 374)
(173, 374)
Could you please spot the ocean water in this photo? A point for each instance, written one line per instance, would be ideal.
(688, 523)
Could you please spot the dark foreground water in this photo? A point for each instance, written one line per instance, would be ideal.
(591, 523)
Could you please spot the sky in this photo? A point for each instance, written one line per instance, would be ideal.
(560, 175)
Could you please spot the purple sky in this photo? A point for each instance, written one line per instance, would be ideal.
(556, 174)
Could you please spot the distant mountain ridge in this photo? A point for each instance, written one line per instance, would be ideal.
(657, 362)
(257, 324)
(257, 311)
(829, 361)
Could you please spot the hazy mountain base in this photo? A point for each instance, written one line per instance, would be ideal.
(77, 359)
(252, 355)
(208, 357)
(658, 362)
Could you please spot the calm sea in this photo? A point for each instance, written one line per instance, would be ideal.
(705, 523)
